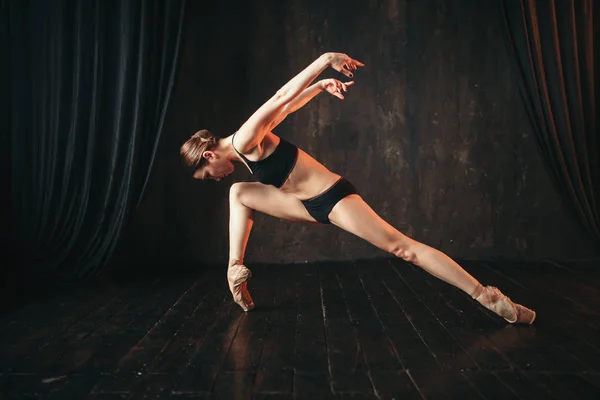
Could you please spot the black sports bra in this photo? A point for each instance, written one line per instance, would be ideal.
(276, 167)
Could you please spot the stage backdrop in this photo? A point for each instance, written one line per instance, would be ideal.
(88, 85)
(433, 134)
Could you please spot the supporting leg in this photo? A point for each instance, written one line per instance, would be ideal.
(241, 220)
(244, 199)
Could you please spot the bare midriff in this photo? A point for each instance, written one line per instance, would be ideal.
(308, 178)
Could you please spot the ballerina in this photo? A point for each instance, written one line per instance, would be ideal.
(294, 186)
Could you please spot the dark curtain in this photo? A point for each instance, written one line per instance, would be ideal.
(552, 44)
(4, 141)
(90, 86)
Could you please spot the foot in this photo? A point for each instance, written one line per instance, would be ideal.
(237, 277)
(492, 298)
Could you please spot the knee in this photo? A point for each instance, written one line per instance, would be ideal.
(236, 192)
(405, 252)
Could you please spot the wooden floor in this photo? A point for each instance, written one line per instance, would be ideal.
(368, 330)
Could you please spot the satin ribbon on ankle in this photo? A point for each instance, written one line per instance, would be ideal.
(478, 290)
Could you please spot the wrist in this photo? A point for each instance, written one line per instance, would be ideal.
(326, 58)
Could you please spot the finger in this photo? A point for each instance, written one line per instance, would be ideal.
(349, 83)
(346, 70)
(339, 95)
(358, 63)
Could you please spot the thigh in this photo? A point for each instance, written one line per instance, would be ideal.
(269, 200)
(354, 215)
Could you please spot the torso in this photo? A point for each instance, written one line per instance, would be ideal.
(308, 177)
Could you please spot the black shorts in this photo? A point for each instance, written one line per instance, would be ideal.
(321, 205)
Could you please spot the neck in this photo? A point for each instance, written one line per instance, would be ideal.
(225, 147)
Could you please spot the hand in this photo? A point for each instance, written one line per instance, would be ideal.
(335, 87)
(342, 63)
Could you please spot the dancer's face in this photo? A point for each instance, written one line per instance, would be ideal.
(215, 167)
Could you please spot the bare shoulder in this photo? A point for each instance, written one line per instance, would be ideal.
(250, 137)
(243, 140)
(264, 148)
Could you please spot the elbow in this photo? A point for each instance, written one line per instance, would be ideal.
(281, 96)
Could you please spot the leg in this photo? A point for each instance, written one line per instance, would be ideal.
(244, 199)
(355, 216)
(247, 197)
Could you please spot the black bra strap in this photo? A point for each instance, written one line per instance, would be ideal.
(240, 154)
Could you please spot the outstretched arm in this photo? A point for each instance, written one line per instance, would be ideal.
(332, 86)
(253, 131)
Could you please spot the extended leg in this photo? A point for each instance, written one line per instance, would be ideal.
(354, 215)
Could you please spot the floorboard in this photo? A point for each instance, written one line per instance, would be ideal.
(367, 329)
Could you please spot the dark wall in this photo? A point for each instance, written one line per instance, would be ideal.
(433, 134)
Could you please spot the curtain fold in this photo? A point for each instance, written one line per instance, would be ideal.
(552, 45)
(90, 86)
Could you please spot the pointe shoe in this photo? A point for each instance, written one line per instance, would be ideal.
(237, 277)
(493, 299)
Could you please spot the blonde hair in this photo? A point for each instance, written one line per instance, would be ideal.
(191, 151)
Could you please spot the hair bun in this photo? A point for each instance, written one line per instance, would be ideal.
(205, 136)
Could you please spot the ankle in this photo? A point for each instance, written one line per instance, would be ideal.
(478, 290)
(235, 261)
